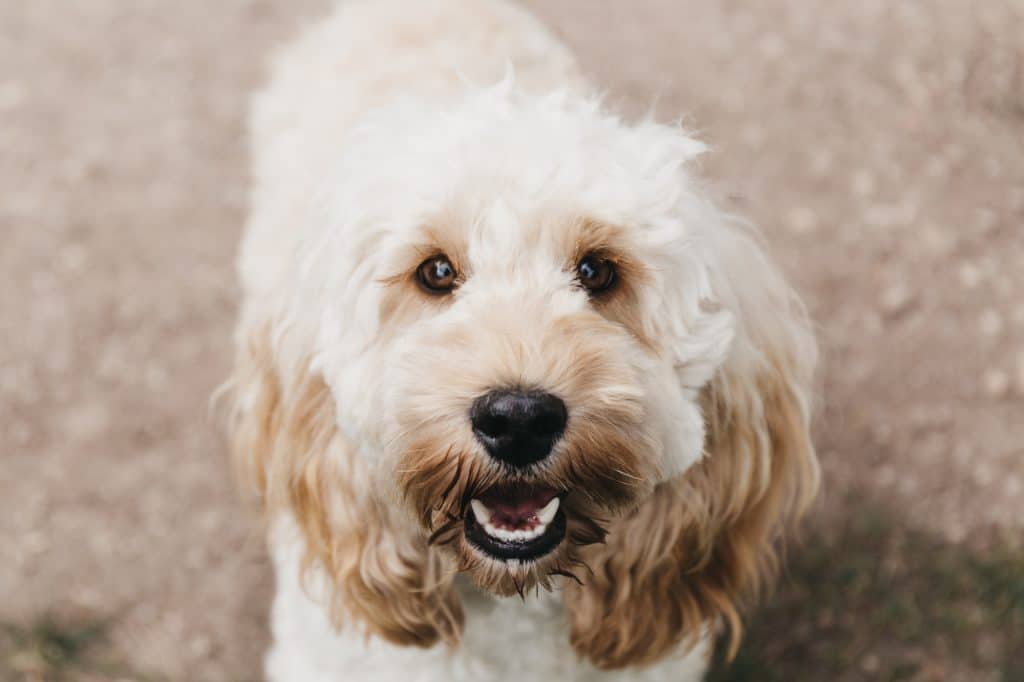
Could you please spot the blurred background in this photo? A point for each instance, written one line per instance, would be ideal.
(879, 143)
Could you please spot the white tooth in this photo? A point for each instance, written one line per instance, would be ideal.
(480, 511)
(546, 513)
(506, 535)
(496, 532)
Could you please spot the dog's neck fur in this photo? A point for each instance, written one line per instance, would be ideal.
(504, 638)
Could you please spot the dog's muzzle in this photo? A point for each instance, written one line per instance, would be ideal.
(519, 521)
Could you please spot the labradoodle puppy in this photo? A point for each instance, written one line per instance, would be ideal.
(518, 400)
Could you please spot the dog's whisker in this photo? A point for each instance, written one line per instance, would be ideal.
(455, 478)
(437, 534)
(628, 475)
(579, 562)
(566, 574)
(519, 587)
(404, 434)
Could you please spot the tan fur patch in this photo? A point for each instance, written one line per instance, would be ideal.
(702, 546)
(282, 435)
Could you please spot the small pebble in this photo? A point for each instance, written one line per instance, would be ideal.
(996, 382)
(1013, 486)
(862, 184)
(970, 275)
(802, 220)
(991, 323)
(897, 299)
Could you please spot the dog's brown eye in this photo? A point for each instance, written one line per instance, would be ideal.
(596, 274)
(436, 275)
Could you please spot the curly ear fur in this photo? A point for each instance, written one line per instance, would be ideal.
(287, 445)
(704, 544)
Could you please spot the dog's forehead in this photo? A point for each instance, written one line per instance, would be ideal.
(506, 162)
(505, 232)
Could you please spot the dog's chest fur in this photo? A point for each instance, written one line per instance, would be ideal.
(507, 638)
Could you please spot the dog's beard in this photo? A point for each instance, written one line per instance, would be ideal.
(511, 531)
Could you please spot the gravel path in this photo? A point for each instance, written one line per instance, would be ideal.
(878, 143)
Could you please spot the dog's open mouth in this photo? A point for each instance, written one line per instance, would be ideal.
(516, 522)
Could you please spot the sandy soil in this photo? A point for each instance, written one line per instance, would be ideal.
(878, 143)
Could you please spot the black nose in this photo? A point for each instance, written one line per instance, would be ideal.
(518, 427)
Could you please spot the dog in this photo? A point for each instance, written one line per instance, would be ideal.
(517, 399)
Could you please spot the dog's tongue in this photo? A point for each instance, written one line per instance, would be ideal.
(516, 507)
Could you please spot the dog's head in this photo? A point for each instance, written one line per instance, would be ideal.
(511, 327)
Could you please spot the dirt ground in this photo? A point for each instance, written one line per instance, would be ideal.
(879, 144)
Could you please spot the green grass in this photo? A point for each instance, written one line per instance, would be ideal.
(55, 649)
(48, 649)
(875, 601)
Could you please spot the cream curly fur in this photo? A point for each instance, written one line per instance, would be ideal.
(393, 131)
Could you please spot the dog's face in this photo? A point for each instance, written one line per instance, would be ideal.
(522, 390)
(516, 325)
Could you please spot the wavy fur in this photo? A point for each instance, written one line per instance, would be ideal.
(288, 448)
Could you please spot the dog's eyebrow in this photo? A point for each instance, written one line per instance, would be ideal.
(591, 234)
(607, 240)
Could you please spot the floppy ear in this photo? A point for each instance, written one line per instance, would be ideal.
(287, 445)
(704, 543)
